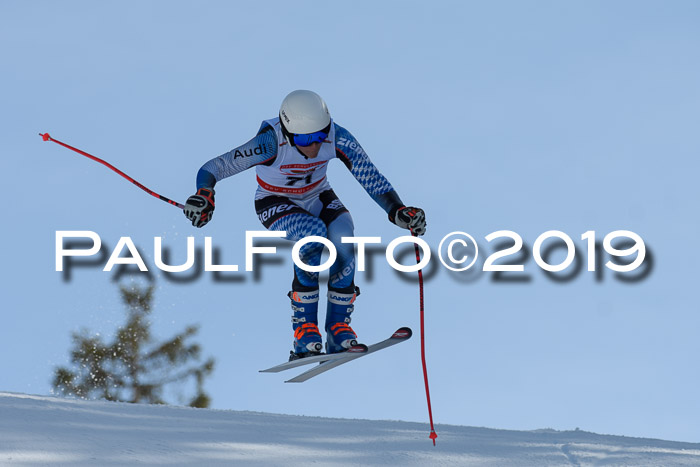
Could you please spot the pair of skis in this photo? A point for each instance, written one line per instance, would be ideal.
(330, 361)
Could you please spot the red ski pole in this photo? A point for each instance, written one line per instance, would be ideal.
(433, 434)
(47, 137)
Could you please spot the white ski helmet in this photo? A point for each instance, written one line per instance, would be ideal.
(304, 112)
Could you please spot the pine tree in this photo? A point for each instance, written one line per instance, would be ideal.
(134, 368)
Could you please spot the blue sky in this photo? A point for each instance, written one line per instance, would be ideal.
(525, 116)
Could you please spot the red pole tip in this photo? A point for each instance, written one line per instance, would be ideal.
(45, 136)
(433, 436)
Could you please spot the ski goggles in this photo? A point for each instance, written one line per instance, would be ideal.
(308, 139)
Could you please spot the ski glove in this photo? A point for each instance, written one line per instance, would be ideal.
(410, 218)
(199, 208)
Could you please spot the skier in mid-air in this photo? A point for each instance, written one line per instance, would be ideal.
(290, 154)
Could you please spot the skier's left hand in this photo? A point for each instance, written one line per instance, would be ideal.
(410, 218)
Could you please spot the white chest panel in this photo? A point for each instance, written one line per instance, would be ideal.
(292, 174)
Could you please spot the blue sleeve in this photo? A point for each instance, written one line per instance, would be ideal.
(348, 150)
(259, 150)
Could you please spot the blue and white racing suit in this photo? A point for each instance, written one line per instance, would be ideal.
(294, 195)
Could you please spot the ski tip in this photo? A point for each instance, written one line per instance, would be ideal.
(45, 136)
(402, 333)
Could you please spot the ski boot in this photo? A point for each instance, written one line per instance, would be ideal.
(307, 337)
(340, 335)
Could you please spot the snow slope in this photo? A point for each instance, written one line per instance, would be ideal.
(40, 430)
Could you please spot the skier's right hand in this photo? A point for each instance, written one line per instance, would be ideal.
(199, 207)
